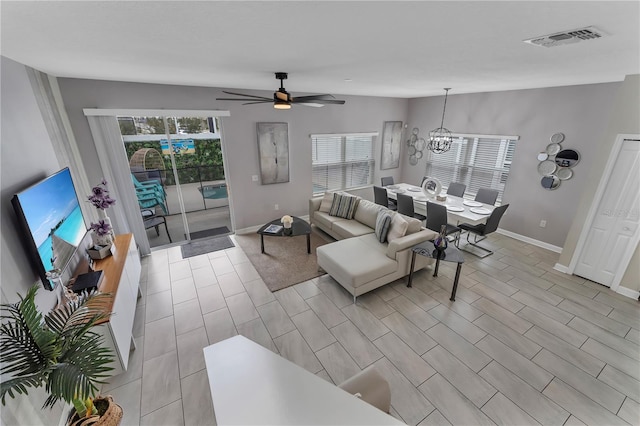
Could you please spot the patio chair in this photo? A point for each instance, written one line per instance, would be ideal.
(487, 196)
(154, 185)
(405, 207)
(151, 220)
(150, 200)
(380, 197)
(484, 229)
(437, 216)
(456, 189)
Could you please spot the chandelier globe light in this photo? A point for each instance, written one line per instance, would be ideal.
(440, 139)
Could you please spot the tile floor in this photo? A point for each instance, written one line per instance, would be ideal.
(522, 344)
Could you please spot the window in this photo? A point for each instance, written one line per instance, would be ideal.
(342, 161)
(478, 161)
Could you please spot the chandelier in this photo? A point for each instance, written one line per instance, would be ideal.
(440, 138)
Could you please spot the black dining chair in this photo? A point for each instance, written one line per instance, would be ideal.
(484, 229)
(380, 197)
(456, 189)
(487, 196)
(437, 216)
(405, 207)
(386, 180)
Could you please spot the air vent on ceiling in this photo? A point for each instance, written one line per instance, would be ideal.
(566, 37)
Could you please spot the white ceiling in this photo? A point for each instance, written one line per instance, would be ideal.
(387, 48)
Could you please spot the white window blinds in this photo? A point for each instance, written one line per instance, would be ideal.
(342, 161)
(478, 161)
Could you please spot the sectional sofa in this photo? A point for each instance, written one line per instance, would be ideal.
(358, 260)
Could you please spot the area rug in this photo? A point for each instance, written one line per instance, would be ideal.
(209, 232)
(285, 261)
(195, 248)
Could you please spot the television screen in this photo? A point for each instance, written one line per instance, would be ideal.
(50, 214)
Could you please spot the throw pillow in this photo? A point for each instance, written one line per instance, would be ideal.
(398, 227)
(325, 204)
(343, 205)
(383, 222)
(415, 225)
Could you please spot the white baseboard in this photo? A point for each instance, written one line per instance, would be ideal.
(561, 268)
(634, 294)
(530, 240)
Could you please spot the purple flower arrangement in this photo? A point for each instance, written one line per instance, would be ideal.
(100, 196)
(101, 228)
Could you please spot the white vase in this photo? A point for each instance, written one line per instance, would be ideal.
(102, 214)
(101, 240)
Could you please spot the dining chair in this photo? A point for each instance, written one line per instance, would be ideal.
(484, 229)
(386, 180)
(405, 207)
(456, 189)
(487, 196)
(437, 216)
(380, 197)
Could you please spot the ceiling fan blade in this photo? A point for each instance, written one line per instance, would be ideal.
(244, 94)
(322, 101)
(311, 104)
(283, 96)
(313, 98)
(257, 102)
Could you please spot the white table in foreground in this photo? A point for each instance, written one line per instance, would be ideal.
(250, 385)
(420, 204)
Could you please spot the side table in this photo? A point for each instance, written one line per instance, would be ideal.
(450, 254)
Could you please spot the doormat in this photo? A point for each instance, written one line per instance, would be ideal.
(209, 233)
(195, 248)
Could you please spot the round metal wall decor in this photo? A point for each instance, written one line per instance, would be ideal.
(557, 137)
(415, 146)
(555, 163)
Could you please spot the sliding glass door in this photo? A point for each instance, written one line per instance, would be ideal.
(177, 168)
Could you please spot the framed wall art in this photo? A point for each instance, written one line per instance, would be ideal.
(391, 135)
(273, 148)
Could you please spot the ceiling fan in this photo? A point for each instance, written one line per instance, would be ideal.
(283, 99)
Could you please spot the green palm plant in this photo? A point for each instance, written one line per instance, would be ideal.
(59, 350)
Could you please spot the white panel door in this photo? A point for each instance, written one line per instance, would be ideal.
(616, 224)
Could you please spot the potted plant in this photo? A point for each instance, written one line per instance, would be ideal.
(60, 351)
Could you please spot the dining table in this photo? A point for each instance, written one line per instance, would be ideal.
(459, 210)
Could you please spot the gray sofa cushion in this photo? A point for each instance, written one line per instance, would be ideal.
(324, 219)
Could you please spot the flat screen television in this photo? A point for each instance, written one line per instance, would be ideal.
(50, 216)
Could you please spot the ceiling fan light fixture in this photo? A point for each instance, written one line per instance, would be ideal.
(279, 104)
(440, 139)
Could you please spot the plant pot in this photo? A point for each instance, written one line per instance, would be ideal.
(109, 414)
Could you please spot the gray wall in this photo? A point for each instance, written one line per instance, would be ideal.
(580, 112)
(625, 119)
(253, 203)
(26, 156)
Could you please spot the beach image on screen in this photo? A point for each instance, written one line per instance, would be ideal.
(54, 217)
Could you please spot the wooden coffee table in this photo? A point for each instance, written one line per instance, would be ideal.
(298, 227)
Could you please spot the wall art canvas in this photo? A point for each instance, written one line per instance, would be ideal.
(273, 147)
(391, 135)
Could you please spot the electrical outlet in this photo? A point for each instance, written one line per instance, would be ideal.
(543, 223)
(254, 178)
(276, 207)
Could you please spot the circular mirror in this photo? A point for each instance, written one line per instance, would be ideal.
(557, 137)
(567, 158)
(564, 173)
(550, 182)
(419, 155)
(421, 144)
(415, 130)
(553, 148)
(413, 160)
(412, 150)
(431, 186)
(413, 138)
(546, 167)
(542, 156)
